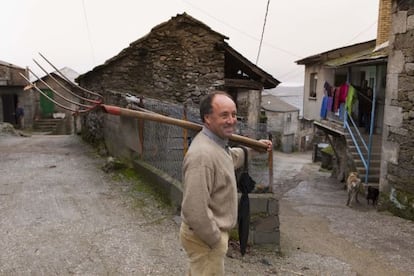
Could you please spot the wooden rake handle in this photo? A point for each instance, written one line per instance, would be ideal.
(119, 111)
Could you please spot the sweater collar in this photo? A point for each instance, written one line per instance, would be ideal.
(220, 141)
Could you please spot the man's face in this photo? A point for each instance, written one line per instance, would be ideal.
(222, 120)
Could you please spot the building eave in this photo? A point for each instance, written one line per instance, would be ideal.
(253, 70)
(368, 56)
(324, 56)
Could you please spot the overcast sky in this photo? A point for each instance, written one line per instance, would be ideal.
(82, 34)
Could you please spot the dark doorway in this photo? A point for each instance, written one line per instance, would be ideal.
(9, 108)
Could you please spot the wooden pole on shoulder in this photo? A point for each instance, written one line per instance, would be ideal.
(150, 116)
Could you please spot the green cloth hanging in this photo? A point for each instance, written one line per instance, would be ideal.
(350, 98)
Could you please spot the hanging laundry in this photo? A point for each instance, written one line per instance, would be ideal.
(330, 103)
(343, 92)
(350, 98)
(327, 88)
(324, 107)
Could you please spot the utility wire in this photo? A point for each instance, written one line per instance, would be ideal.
(243, 32)
(364, 30)
(264, 25)
(88, 31)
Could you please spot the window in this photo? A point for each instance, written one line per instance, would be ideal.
(313, 85)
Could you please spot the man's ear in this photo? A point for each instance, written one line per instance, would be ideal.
(207, 119)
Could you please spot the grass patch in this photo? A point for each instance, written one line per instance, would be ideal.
(143, 191)
(328, 150)
(234, 234)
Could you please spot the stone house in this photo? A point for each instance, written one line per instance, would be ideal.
(282, 122)
(385, 65)
(12, 93)
(173, 66)
(50, 116)
(179, 61)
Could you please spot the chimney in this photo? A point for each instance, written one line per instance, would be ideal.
(384, 22)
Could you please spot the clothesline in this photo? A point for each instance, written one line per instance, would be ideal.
(335, 99)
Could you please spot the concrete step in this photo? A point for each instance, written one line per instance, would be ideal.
(375, 157)
(376, 147)
(373, 171)
(373, 163)
(371, 178)
(46, 125)
(375, 140)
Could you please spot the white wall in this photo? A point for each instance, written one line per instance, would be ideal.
(312, 106)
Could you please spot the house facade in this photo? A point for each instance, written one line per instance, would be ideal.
(386, 66)
(12, 94)
(355, 64)
(179, 61)
(56, 93)
(282, 122)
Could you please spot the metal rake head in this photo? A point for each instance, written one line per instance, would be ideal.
(82, 104)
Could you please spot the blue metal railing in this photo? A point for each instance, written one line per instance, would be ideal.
(355, 133)
(356, 137)
(359, 142)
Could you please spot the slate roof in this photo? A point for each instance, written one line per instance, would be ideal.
(275, 104)
(10, 65)
(364, 53)
(235, 57)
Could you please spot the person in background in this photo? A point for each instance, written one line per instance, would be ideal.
(362, 102)
(209, 206)
(20, 116)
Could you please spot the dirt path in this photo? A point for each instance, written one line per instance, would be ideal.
(60, 214)
(315, 220)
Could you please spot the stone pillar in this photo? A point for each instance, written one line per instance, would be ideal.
(254, 102)
(264, 220)
(396, 184)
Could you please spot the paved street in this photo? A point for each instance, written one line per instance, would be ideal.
(60, 214)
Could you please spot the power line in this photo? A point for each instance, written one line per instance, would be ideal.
(264, 25)
(88, 32)
(243, 32)
(364, 30)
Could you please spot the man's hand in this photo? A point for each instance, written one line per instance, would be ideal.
(268, 143)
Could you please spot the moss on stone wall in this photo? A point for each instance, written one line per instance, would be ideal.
(399, 203)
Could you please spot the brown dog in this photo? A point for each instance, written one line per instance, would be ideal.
(353, 186)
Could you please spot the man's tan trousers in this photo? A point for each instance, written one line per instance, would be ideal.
(204, 260)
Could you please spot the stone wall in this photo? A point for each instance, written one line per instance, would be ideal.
(264, 208)
(248, 106)
(397, 173)
(10, 75)
(177, 62)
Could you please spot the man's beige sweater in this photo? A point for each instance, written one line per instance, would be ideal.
(210, 190)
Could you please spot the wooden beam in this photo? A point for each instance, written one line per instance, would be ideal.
(240, 83)
(151, 116)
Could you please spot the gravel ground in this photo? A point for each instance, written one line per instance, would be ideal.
(61, 214)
